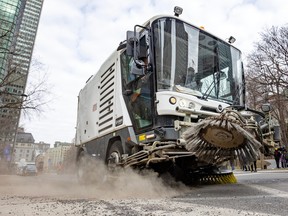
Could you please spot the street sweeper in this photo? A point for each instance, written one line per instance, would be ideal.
(170, 98)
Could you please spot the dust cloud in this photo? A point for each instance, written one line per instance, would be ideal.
(120, 184)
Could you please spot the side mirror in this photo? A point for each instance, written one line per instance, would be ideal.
(266, 108)
(137, 44)
(130, 42)
(276, 134)
(142, 47)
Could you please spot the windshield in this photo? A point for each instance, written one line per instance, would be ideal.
(192, 61)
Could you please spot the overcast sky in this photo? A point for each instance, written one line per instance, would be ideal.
(76, 36)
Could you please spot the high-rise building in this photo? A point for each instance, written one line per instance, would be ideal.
(18, 27)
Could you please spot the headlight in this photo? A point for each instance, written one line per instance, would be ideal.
(172, 100)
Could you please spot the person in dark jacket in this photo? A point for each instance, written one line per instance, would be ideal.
(254, 166)
(277, 155)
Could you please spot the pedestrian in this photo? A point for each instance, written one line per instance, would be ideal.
(277, 155)
(246, 166)
(254, 166)
(232, 164)
(283, 158)
(286, 159)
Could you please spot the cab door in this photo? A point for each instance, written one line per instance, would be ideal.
(138, 95)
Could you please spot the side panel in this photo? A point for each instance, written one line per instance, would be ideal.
(101, 107)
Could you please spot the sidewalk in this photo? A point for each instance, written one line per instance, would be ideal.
(270, 168)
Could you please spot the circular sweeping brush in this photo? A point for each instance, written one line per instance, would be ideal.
(218, 138)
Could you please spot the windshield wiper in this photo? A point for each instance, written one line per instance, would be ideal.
(219, 75)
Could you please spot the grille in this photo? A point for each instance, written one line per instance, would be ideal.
(106, 99)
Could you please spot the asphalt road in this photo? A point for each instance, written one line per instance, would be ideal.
(261, 193)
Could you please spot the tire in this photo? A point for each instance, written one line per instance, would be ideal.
(114, 155)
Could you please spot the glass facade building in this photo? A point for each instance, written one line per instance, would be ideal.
(10, 17)
(19, 21)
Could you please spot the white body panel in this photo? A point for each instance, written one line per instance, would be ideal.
(100, 103)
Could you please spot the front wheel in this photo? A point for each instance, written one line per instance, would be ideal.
(114, 155)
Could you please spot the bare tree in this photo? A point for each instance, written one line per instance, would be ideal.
(16, 94)
(267, 74)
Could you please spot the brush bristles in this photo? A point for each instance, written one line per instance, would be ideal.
(247, 151)
(223, 178)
